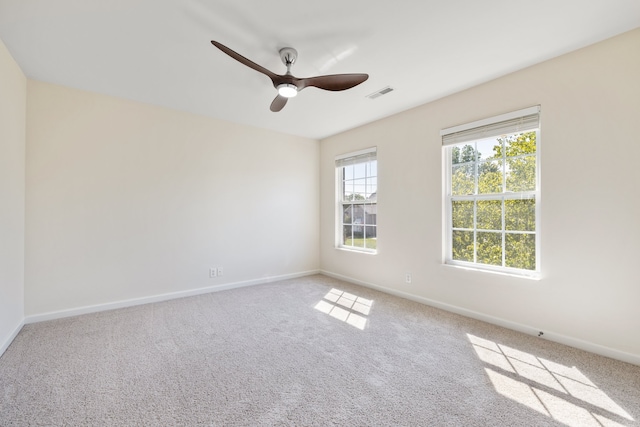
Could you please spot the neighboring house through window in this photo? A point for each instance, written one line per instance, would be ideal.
(357, 194)
(492, 188)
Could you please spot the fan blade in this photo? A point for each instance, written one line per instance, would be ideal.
(334, 82)
(245, 61)
(278, 103)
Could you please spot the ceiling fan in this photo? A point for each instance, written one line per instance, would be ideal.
(287, 84)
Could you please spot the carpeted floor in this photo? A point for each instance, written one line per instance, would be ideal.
(304, 352)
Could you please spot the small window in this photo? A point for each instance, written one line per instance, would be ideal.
(357, 195)
(492, 193)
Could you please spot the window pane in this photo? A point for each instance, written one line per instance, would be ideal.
(370, 214)
(462, 180)
(347, 215)
(369, 231)
(521, 174)
(489, 149)
(462, 214)
(347, 172)
(463, 154)
(358, 220)
(372, 187)
(347, 190)
(520, 251)
(519, 144)
(359, 170)
(489, 248)
(359, 189)
(371, 243)
(372, 193)
(489, 215)
(357, 242)
(490, 177)
(372, 169)
(346, 230)
(520, 215)
(462, 245)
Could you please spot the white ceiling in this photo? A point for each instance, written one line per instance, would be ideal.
(159, 51)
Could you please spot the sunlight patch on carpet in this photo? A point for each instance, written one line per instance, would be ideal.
(346, 307)
(557, 391)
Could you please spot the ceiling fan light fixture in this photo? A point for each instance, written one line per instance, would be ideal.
(287, 90)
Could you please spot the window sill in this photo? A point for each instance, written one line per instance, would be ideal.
(357, 251)
(535, 276)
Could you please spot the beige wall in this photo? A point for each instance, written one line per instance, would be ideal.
(590, 222)
(13, 89)
(126, 201)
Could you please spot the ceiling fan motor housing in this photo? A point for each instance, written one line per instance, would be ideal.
(288, 55)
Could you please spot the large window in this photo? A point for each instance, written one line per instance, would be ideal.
(357, 194)
(492, 193)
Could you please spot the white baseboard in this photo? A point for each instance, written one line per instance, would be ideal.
(529, 330)
(157, 298)
(5, 345)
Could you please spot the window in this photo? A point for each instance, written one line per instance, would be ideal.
(492, 193)
(357, 195)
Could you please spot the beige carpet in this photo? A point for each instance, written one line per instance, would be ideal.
(303, 352)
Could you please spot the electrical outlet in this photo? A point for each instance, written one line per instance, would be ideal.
(220, 271)
(407, 277)
(213, 272)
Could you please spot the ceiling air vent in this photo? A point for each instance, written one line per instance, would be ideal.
(380, 92)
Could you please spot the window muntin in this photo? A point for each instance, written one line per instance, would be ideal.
(492, 199)
(357, 176)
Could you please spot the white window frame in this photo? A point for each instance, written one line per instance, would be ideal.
(524, 120)
(366, 154)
